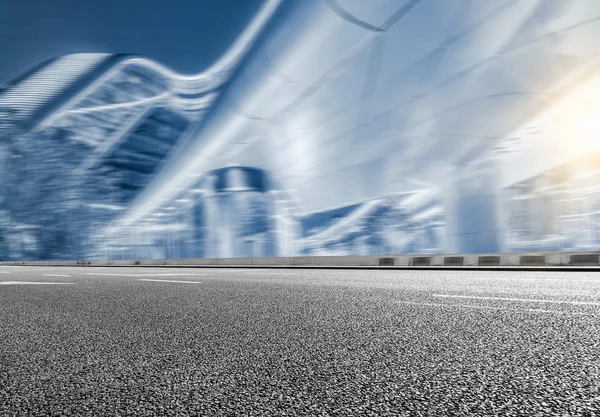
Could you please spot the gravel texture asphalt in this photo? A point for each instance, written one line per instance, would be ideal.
(260, 342)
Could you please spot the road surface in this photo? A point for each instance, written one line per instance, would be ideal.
(171, 341)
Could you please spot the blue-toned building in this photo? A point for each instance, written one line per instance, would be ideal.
(231, 212)
(329, 128)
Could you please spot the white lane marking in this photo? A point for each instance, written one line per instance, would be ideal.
(55, 275)
(211, 269)
(269, 273)
(40, 269)
(34, 283)
(170, 280)
(524, 300)
(5, 272)
(569, 279)
(143, 275)
(531, 310)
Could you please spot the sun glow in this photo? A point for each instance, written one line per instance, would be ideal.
(579, 120)
(568, 130)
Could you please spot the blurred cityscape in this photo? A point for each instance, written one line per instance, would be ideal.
(340, 127)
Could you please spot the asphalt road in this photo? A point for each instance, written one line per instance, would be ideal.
(152, 341)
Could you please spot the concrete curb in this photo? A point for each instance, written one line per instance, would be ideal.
(559, 261)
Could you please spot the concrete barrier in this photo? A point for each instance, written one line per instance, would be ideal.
(471, 260)
(563, 260)
(153, 262)
(420, 261)
(266, 261)
(353, 261)
(488, 260)
(304, 260)
(532, 260)
(191, 261)
(509, 260)
(233, 261)
(98, 263)
(124, 263)
(402, 260)
(454, 260)
(387, 262)
(283, 261)
(584, 259)
(437, 260)
(557, 259)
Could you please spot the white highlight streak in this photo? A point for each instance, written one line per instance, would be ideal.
(524, 300)
(530, 310)
(34, 283)
(169, 280)
(56, 275)
(143, 275)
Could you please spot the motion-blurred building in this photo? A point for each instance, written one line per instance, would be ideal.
(348, 128)
(231, 212)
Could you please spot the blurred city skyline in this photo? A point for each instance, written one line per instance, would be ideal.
(334, 127)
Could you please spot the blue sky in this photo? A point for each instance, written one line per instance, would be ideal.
(186, 35)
